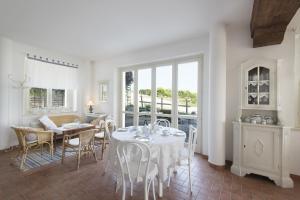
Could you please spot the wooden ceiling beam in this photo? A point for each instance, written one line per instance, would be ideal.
(270, 19)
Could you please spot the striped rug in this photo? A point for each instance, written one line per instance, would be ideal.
(35, 160)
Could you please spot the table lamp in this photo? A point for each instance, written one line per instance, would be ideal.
(90, 104)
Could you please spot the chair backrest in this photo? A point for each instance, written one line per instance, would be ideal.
(62, 119)
(134, 159)
(163, 122)
(192, 140)
(21, 133)
(110, 127)
(87, 137)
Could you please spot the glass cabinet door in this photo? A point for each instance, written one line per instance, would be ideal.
(258, 86)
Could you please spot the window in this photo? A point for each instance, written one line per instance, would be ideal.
(187, 95)
(58, 98)
(166, 90)
(51, 87)
(51, 99)
(38, 98)
(145, 95)
(128, 98)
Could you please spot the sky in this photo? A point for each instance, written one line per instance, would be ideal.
(187, 77)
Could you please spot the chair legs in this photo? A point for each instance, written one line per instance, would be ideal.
(42, 146)
(63, 154)
(190, 177)
(103, 147)
(51, 150)
(153, 190)
(94, 152)
(124, 190)
(169, 178)
(78, 159)
(23, 158)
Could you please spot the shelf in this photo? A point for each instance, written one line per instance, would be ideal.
(264, 81)
(264, 93)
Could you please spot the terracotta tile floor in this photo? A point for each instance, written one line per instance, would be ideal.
(88, 183)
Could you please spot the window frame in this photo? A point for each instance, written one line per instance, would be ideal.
(174, 112)
(50, 108)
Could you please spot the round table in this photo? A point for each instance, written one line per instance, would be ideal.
(169, 148)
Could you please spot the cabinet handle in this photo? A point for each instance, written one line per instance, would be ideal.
(244, 146)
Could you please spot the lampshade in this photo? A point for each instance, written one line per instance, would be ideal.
(90, 103)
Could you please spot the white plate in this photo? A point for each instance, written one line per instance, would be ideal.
(179, 133)
(142, 139)
(165, 133)
(122, 129)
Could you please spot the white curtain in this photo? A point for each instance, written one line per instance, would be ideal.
(47, 75)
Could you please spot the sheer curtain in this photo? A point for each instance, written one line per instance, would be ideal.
(47, 75)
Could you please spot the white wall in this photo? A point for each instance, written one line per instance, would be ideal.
(107, 70)
(12, 56)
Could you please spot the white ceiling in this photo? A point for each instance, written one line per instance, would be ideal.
(97, 29)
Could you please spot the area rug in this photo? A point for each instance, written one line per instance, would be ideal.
(35, 160)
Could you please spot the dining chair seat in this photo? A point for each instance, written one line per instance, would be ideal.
(153, 171)
(100, 135)
(74, 142)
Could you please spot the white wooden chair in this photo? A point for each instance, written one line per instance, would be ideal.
(163, 122)
(187, 155)
(136, 166)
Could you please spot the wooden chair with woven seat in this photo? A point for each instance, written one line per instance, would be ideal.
(104, 132)
(32, 138)
(82, 143)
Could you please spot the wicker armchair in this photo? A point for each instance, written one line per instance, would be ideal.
(30, 138)
(81, 143)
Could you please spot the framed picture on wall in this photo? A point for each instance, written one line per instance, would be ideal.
(103, 91)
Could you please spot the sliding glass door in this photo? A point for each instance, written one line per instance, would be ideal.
(164, 92)
(128, 98)
(187, 95)
(169, 90)
(144, 96)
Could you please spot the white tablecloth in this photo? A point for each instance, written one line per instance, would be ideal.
(169, 147)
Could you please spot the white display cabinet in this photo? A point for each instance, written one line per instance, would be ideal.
(259, 84)
(258, 147)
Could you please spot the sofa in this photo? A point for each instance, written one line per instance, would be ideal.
(60, 120)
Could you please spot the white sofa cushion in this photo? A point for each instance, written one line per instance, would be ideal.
(48, 123)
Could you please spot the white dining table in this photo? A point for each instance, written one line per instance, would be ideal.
(169, 147)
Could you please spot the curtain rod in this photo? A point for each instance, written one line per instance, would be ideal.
(56, 62)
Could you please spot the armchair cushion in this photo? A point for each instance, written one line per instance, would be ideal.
(48, 123)
(99, 135)
(31, 137)
(74, 142)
